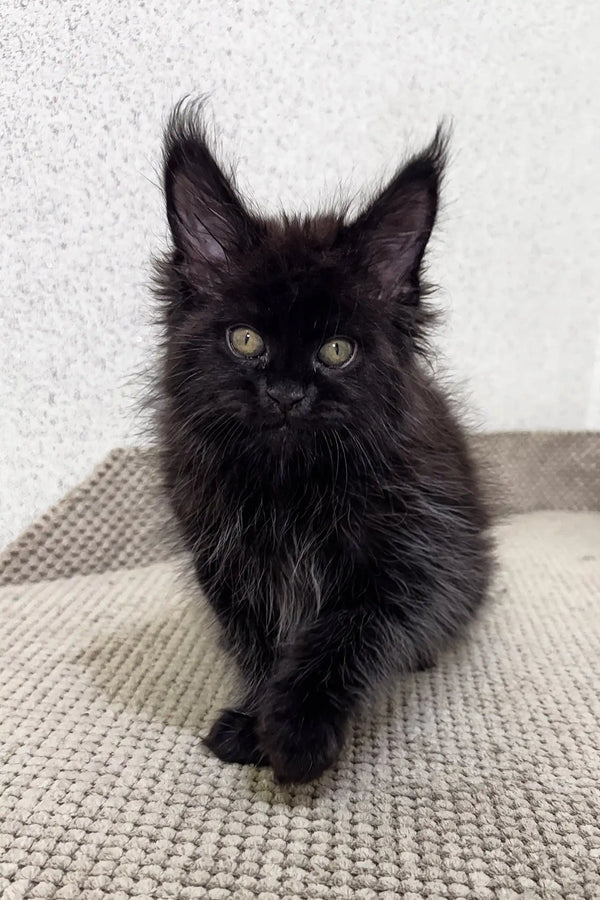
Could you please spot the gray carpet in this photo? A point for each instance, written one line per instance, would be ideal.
(479, 779)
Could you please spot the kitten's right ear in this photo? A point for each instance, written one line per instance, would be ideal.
(206, 216)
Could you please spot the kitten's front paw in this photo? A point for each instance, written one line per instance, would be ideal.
(299, 746)
(233, 739)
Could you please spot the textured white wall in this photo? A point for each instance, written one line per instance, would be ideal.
(305, 95)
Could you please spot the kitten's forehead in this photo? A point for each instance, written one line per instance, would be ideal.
(303, 301)
(300, 281)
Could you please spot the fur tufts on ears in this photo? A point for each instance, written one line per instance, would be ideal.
(392, 232)
(207, 217)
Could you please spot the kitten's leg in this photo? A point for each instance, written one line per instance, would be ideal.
(233, 735)
(319, 680)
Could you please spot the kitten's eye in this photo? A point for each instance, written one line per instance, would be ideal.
(244, 341)
(337, 352)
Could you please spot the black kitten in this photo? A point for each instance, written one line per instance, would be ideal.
(320, 477)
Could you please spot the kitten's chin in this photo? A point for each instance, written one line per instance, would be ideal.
(284, 436)
(283, 425)
(278, 432)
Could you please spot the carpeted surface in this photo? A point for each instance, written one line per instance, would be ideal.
(479, 779)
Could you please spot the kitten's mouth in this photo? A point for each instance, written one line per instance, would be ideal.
(280, 425)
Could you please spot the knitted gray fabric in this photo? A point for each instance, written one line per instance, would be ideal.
(478, 779)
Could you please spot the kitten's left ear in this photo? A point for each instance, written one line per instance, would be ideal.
(392, 233)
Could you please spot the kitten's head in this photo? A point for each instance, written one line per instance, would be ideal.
(290, 327)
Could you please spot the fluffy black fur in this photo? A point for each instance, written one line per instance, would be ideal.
(340, 539)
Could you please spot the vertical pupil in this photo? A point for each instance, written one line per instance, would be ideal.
(246, 337)
(336, 347)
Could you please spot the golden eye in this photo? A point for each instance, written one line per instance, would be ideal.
(337, 352)
(245, 341)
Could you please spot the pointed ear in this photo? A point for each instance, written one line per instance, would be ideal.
(392, 233)
(206, 216)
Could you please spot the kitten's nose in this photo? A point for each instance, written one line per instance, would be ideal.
(286, 395)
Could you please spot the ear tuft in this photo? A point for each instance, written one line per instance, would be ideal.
(206, 216)
(394, 229)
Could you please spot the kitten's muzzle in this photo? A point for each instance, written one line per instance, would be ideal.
(286, 396)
